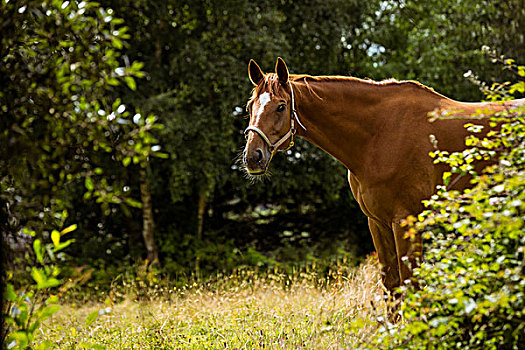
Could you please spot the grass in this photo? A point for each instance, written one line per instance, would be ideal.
(245, 310)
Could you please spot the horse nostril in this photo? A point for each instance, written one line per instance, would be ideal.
(258, 155)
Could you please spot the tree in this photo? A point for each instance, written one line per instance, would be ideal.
(62, 136)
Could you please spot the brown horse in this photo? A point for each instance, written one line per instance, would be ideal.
(379, 130)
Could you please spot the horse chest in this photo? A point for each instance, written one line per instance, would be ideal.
(370, 203)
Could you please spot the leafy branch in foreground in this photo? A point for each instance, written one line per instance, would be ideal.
(62, 134)
(61, 62)
(28, 308)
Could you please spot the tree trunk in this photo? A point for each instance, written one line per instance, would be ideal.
(3, 278)
(200, 218)
(148, 224)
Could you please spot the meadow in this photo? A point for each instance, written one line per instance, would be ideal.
(243, 310)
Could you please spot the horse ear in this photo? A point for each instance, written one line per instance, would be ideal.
(282, 71)
(255, 73)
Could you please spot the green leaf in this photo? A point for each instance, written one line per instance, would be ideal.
(53, 299)
(48, 311)
(42, 280)
(134, 203)
(39, 277)
(112, 81)
(34, 326)
(117, 43)
(9, 293)
(116, 103)
(89, 184)
(137, 65)
(446, 177)
(55, 237)
(21, 339)
(126, 161)
(68, 229)
(91, 318)
(63, 245)
(130, 82)
(160, 155)
(28, 232)
(39, 252)
(52, 282)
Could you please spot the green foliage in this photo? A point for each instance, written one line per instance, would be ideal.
(37, 301)
(471, 292)
(435, 42)
(195, 59)
(59, 62)
(63, 137)
(196, 55)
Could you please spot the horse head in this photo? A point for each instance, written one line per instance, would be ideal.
(272, 117)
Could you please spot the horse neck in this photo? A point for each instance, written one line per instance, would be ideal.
(344, 115)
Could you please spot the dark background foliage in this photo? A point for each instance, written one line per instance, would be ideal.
(207, 215)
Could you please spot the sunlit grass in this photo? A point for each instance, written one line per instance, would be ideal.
(245, 310)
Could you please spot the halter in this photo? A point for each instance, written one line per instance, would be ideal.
(290, 134)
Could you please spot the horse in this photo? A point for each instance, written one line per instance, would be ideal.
(380, 131)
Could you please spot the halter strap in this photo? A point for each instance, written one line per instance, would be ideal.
(290, 134)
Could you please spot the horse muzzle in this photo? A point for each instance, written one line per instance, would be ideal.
(257, 161)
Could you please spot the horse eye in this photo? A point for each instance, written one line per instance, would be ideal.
(281, 108)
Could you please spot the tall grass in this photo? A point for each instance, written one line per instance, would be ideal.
(244, 310)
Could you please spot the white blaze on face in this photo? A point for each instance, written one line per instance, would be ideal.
(263, 101)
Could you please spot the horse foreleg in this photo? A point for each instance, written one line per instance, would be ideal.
(409, 252)
(385, 245)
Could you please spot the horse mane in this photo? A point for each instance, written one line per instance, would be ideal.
(393, 81)
(271, 83)
(341, 78)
